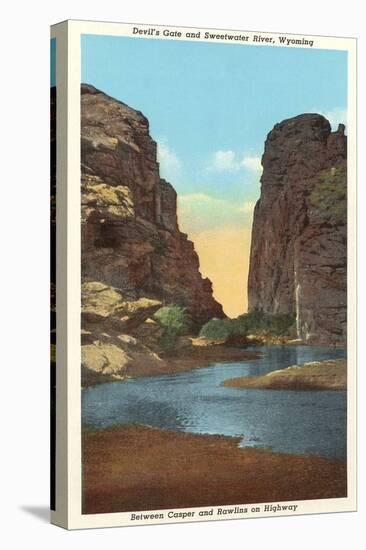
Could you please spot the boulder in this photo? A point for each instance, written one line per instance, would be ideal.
(104, 359)
(105, 305)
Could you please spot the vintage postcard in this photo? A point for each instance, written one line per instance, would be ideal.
(203, 198)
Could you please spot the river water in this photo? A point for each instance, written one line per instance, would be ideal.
(299, 422)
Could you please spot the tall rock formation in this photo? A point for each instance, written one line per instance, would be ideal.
(298, 260)
(130, 235)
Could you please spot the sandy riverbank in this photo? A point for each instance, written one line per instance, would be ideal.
(194, 358)
(317, 375)
(138, 467)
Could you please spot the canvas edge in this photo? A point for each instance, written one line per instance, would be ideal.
(68, 453)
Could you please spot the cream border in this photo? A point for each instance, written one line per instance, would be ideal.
(68, 34)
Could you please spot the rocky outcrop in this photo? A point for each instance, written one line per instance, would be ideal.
(103, 304)
(109, 350)
(330, 375)
(134, 257)
(298, 260)
(130, 235)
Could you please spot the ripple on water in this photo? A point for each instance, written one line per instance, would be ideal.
(194, 401)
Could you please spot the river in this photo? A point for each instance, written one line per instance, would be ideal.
(298, 422)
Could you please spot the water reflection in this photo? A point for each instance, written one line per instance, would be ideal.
(286, 421)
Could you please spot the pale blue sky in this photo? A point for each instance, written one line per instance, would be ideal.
(211, 105)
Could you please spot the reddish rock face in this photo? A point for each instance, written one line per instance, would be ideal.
(130, 234)
(298, 260)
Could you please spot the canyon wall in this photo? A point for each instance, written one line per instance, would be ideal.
(134, 258)
(298, 260)
(130, 235)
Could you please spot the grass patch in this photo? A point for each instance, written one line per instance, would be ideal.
(255, 322)
(329, 195)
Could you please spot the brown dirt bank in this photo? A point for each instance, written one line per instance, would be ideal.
(196, 357)
(138, 467)
(317, 375)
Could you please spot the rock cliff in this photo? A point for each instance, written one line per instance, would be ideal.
(298, 260)
(130, 234)
(134, 257)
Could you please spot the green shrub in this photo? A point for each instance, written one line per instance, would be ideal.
(255, 322)
(175, 322)
(329, 195)
(174, 318)
(217, 329)
(278, 324)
